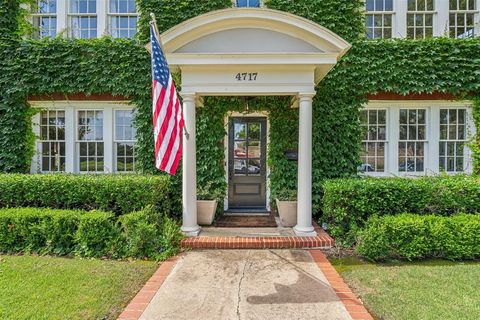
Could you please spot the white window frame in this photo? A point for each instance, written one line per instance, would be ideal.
(115, 141)
(40, 141)
(387, 132)
(111, 15)
(383, 13)
(475, 12)
(37, 16)
(71, 120)
(433, 12)
(431, 161)
(71, 15)
(426, 154)
(234, 4)
(78, 141)
(467, 154)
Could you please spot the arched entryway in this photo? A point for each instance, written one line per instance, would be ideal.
(251, 52)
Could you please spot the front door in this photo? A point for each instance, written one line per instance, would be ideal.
(247, 163)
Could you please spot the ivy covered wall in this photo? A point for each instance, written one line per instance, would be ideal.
(122, 67)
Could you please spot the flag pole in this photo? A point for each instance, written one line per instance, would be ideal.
(153, 23)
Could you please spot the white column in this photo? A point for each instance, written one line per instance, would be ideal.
(304, 192)
(189, 193)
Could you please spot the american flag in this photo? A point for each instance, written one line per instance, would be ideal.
(167, 111)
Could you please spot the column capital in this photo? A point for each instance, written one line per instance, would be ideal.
(188, 96)
(302, 96)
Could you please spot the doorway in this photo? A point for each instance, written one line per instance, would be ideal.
(247, 168)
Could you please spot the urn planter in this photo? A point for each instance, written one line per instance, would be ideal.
(287, 210)
(206, 211)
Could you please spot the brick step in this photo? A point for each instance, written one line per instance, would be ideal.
(321, 241)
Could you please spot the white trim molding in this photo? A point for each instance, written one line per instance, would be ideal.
(71, 109)
(431, 152)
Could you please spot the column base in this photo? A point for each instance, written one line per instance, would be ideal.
(191, 231)
(304, 232)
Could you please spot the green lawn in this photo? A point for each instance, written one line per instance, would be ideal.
(420, 290)
(59, 288)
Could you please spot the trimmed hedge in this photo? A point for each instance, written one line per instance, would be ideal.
(149, 234)
(142, 234)
(120, 194)
(410, 236)
(61, 232)
(348, 203)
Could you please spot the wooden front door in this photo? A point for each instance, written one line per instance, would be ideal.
(247, 163)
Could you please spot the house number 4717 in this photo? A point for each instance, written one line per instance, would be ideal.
(246, 76)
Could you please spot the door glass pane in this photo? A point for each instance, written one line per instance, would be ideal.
(254, 149)
(253, 167)
(239, 131)
(240, 150)
(254, 131)
(240, 166)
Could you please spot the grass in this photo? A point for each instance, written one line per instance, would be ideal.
(434, 289)
(33, 287)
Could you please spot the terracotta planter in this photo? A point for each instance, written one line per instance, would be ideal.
(287, 210)
(206, 211)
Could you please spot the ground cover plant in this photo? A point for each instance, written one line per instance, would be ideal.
(430, 289)
(34, 287)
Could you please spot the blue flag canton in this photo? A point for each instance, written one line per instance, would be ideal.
(160, 71)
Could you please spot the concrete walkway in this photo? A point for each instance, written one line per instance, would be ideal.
(246, 284)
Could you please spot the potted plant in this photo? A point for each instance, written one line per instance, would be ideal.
(287, 207)
(207, 201)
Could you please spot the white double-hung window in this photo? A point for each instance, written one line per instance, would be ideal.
(90, 145)
(125, 134)
(51, 143)
(45, 18)
(453, 138)
(84, 137)
(420, 17)
(83, 18)
(462, 18)
(412, 139)
(379, 18)
(374, 127)
(123, 18)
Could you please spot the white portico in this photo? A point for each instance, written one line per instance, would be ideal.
(251, 52)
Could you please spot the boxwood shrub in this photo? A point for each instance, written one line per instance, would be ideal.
(141, 234)
(348, 203)
(119, 194)
(411, 236)
(148, 233)
(37, 230)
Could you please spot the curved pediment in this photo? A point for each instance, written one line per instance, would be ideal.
(248, 40)
(251, 31)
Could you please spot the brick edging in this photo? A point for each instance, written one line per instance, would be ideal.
(139, 303)
(322, 241)
(354, 306)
